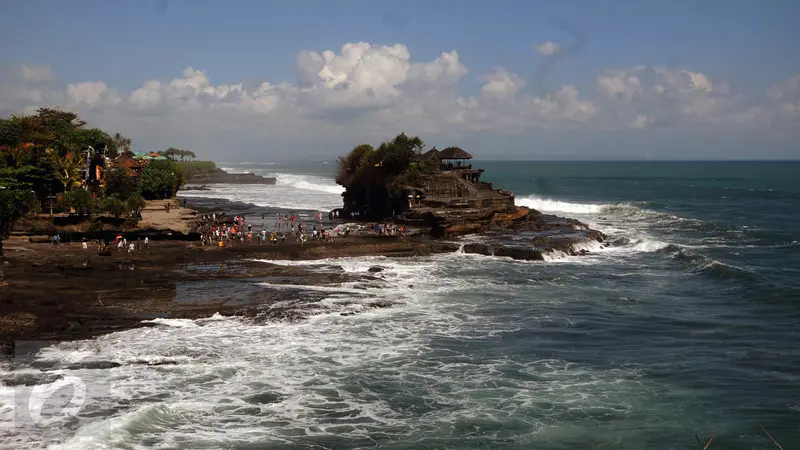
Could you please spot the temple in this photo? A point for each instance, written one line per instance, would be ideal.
(457, 184)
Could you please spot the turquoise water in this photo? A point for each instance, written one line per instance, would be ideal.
(688, 324)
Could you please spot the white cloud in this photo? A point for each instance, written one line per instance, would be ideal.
(548, 48)
(501, 84)
(368, 92)
(640, 121)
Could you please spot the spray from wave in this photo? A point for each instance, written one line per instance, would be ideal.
(308, 182)
(290, 192)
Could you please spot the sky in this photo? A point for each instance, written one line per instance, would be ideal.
(262, 80)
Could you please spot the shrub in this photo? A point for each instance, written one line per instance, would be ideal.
(114, 206)
(81, 201)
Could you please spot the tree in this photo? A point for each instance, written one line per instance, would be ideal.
(98, 139)
(81, 201)
(114, 206)
(135, 205)
(55, 143)
(14, 204)
(177, 153)
(376, 179)
(119, 184)
(68, 168)
(41, 179)
(123, 143)
(160, 180)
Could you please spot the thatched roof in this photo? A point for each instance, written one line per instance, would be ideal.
(454, 153)
(430, 154)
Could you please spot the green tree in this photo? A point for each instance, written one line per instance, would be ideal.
(376, 180)
(160, 180)
(114, 206)
(67, 168)
(135, 205)
(98, 139)
(81, 201)
(14, 204)
(123, 143)
(119, 184)
(41, 179)
(171, 153)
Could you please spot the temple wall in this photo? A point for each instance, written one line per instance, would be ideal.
(448, 186)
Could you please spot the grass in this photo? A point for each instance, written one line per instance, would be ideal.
(194, 167)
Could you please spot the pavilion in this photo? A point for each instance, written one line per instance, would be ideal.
(453, 158)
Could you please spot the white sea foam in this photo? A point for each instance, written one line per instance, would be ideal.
(291, 192)
(549, 205)
(619, 220)
(385, 373)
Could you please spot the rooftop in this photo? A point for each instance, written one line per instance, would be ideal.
(454, 153)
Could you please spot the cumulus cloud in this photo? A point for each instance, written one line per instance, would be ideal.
(548, 48)
(365, 92)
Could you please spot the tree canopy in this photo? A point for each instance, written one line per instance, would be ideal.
(54, 151)
(377, 180)
(14, 203)
(160, 180)
(177, 153)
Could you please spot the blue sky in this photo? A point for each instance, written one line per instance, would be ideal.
(747, 44)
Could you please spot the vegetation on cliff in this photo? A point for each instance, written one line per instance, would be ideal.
(378, 180)
(53, 154)
(195, 168)
(178, 153)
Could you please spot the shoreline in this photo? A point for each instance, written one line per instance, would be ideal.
(100, 293)
(103, 294)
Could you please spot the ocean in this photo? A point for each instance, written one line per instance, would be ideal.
(687, 324)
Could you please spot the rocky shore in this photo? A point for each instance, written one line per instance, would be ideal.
(52, 294)
(219, 176)
(67, 293)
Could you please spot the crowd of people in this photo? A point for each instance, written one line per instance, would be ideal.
(219, 231)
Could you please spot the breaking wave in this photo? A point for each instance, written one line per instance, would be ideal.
(308, 182)
(291, 191)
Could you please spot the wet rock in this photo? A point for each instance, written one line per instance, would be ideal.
(263, 398)
(481, 249)
(527, 254)
(93, 365)
(375, 269)
(30, 379)
(380, 304)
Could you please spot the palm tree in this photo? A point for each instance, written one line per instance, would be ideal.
(68, 172)
(123, 143)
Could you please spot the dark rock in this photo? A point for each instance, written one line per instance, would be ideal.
(93, 365)
(220, 176)
(263, 398)
(375, 269)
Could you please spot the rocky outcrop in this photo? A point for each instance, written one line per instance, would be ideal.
(526, 254)
(217, 176)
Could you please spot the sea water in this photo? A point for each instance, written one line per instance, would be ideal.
(688, 324)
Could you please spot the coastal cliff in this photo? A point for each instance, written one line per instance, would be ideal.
(219, 176)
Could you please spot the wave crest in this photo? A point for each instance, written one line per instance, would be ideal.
(308, 182)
